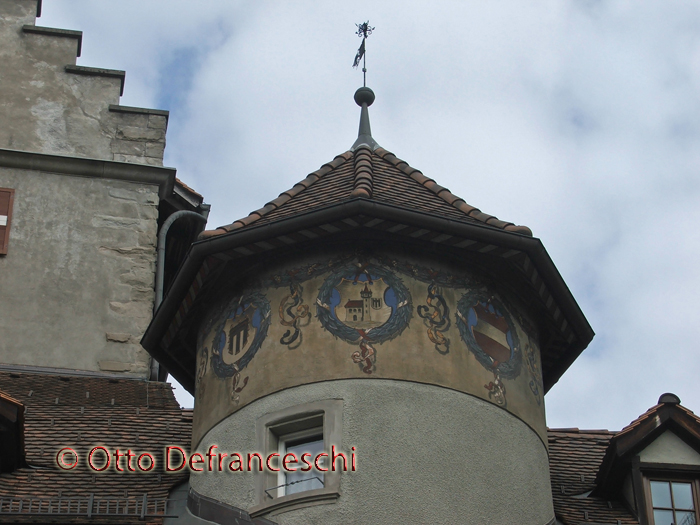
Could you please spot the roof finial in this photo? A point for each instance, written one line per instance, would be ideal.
(363, 31)
(364, 97)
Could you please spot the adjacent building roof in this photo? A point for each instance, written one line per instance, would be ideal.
(668, 414)
(574, 459)
(82, 413)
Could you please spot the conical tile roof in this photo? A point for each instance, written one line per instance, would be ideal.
(368, 171)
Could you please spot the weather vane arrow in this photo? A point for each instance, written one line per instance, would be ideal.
(363, 31)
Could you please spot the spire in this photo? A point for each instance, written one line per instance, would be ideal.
(364, 98)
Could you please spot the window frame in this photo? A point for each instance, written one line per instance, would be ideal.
(278, 426)
(669, 473)
(308, 435)
(5, 240)
(694, 495)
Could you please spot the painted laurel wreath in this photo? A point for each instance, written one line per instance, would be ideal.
(396, 324)
(261, 304)
(508, 369)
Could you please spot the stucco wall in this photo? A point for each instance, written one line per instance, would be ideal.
(669, 448)
(425, 454)
(76, 287)
(56, 111)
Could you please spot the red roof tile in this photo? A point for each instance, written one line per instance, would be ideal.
(188, 189)
(378, 175)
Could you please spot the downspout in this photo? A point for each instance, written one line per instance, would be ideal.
(160, 268)
(160, 264)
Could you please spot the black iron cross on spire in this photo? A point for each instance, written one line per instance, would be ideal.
(363, 31)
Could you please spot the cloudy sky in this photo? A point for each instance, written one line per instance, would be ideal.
(580, 119)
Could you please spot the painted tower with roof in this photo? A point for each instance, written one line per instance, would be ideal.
(436, 398)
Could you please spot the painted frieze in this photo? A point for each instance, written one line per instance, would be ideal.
(368, 316)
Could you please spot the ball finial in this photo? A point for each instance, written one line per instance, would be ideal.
(364, 95)
(668, 398)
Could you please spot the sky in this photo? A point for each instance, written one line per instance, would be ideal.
(577, 118)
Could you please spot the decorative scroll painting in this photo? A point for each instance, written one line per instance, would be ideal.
(294, 314)
(489, 332)
(436, 317)
(535, 374)
(364, 304)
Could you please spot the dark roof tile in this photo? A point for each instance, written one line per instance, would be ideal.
(574, 459)
(126, 414)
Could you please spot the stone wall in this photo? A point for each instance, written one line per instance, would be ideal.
(58, 107)
(76, 287)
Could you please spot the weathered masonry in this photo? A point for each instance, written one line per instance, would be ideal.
(83, 195)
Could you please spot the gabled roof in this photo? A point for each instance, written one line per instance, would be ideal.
(667, 414)
(377, 175)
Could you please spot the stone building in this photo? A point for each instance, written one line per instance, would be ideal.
(84, 197)
(84, 194)
(367, 323)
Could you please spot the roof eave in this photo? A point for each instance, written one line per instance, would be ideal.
(626, 445)
(353, 207)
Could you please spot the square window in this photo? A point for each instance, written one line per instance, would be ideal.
(301, 440)
(673, 502)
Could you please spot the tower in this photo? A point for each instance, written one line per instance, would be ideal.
(430, 411)
(366, 295)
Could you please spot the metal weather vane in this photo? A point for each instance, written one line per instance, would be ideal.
(363, 31)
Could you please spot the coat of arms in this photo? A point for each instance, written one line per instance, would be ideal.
(489, 332)
(364, 304)
(239, 336)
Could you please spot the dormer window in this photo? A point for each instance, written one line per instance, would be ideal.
(674, 502)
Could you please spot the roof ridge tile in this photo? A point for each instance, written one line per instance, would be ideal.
(364, 172)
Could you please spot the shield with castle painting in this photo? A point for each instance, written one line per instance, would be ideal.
(239, 335)
(364, 303)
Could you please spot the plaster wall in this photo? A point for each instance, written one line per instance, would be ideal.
(669, 448)
(293, 324)
(425, 454)
(56, 111)
(76, 287)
